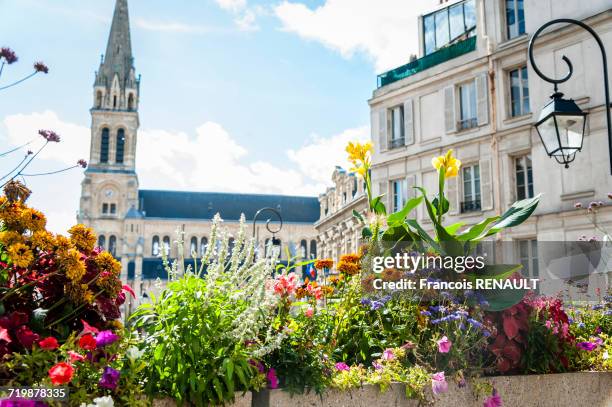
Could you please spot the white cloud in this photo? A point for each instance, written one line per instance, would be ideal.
(232, 5)
(385, 30)
(170, 26)
(209, 160)
(245, 15)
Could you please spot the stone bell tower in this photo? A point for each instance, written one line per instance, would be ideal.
(110, 187)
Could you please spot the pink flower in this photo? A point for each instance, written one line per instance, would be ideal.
(438, 383)
(272, 379)
(444, 345)
(388, 354)
(309, 313)
(376, 365)
(88, 329)
(75, 357)
(49, 135)
(314, 291)
(340, 366)
(8, 54)
(285, 285)
(493, 400)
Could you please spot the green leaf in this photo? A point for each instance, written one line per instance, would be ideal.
(399, 217)
(499, 299)
(495, 271)
(445, 204)
(378, 206)
(476, 230)
(358, 215)
(366, 233)
(423, 234)
(516, 214)
(452, 229)
(450, 246)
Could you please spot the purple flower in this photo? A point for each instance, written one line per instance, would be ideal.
(82, 163)
(493, 400)
(444, 344)
(8, 54)
(376, 365)
(258, 365)
(588, 346)
(438, 383)
(49, 135)
(342, 366)
(41, 67)
(388, 354)
(109, 379)
(272, 378)
(105, 338)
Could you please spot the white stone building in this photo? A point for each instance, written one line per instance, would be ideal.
(135, 224)
(473, 90)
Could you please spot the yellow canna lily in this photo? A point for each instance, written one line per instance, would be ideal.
(359, 155)
(447, 162)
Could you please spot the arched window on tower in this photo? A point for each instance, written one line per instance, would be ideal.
(99, 99)
(120, 146)
(155, 246)
(193, 247)
(131, 102)
(112, 245)
(313, 249)
(101, 241)
(104, 139)
(114, 101)
(303, 249)
(166, 243)
(203, 244)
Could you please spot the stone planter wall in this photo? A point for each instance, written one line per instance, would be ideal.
(593, 389)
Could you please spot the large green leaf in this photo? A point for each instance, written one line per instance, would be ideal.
(399, 217)
(477, 229)
(452, 229)
(498, 299)
(378, 206)
(495, 271)
(450, 245)
(423, 234)
(516, 214)
(358, 216)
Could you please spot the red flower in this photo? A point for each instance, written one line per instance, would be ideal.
(61, 373)
(87, 342)
(75, 357)
(26, 336)
(49, 343)
(4, 335)
(127, 288)
(88, 329)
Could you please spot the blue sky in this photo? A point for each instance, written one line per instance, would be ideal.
(270, 89)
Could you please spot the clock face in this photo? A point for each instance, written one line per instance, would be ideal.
(108, 193)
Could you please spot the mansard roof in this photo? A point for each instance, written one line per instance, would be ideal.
(204, 205)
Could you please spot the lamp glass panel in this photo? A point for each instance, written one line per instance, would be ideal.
(570, 131)
(548, 134)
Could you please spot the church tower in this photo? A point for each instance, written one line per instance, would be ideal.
(110, 187)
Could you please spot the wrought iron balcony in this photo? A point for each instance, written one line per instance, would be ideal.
(396, 142)
(468, 123)
(435, 58)
(471, 206)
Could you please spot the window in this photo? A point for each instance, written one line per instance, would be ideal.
(131, 102)
(104, 145)
(515, 18)
(155, 246)
(193, 247)
(467, 98)
(120, 146)
(397, 127)
(313, 249)
(99, 99)
(398, 188)
(113, 209)
(166, 245)
(448, 25)
(203, 244)
(112, 245)
(524, 177)
(528, 256)
(303, 249)
(114, 101)
(101, 241)
(104, 208)
(471, 189)
(519, 92)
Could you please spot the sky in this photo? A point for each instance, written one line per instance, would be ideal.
(236, 95)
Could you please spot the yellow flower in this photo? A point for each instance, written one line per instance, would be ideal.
(72, 265)
(106, 262)
(447, 162)
(358, 151)
(9, 237)
(20, 255)
(82, 237)
(33, 220)
(79, 293)
(43, 240)
(62, 244)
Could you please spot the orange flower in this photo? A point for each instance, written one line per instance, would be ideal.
(351, 258)
(82, 237)
(348, 268)
(324, 264)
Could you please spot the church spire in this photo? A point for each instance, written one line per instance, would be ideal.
(118, 59)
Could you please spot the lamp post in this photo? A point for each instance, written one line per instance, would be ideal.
(275, 242)
(562, 123)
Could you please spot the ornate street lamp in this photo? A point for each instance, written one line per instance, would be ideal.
(562, 124)
(276, 243)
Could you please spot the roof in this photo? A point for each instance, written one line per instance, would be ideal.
(204, 205)
(133, 213)
(118, 58)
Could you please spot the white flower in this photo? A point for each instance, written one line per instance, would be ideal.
(106, 401)
(134, 353)
(605, 355)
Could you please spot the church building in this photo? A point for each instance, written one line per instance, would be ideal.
(134, 224)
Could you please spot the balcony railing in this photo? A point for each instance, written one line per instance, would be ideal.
(396, 142)
(470, 206)
(428, 61)
(468, 123)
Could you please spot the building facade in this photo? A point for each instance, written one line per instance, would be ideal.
(473, 90)
(339, 232)
(135, 224)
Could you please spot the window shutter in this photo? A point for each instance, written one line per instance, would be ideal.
(452, 194)
(450, 123)
(410, 184)
(486, 186)
(383, 190)
(408, 123)
(482, 101)
(382, 129)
